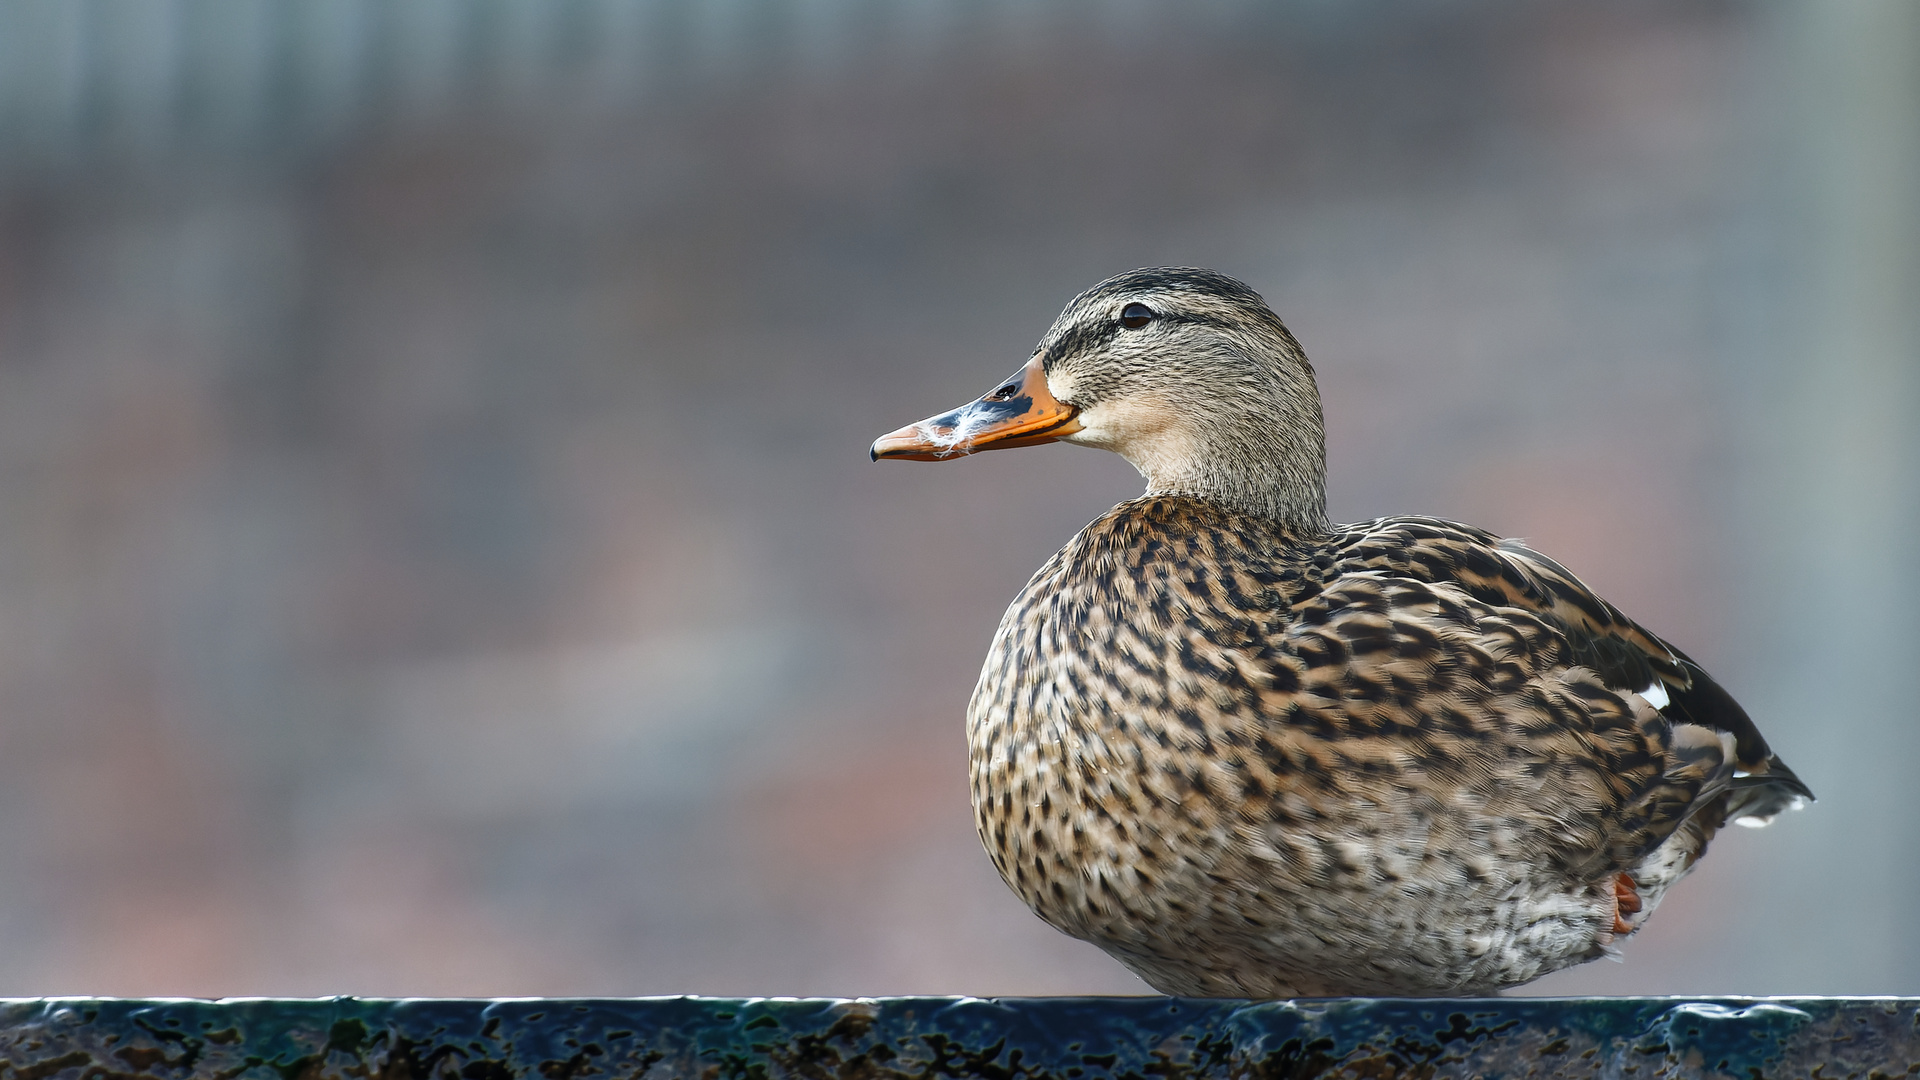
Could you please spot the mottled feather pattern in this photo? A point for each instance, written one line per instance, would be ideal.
(1401, 756)
(1248, 752)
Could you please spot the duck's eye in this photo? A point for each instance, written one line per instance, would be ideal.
(1135, 316)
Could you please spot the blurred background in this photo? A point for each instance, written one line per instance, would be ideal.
(438, 553)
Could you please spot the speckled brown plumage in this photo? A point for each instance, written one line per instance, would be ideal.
(1251, 753)
(1366, 761)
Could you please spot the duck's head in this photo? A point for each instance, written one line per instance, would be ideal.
(1185, 373)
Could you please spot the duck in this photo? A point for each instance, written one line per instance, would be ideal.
(1252, 753)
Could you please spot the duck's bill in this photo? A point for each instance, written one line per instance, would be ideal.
(1019, 412)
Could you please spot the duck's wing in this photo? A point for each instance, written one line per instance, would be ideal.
(1627, 658)
(1625, 654)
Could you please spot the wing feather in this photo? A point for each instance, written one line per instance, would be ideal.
(1615, 669)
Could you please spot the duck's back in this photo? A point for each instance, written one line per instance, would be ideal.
(1399, 757)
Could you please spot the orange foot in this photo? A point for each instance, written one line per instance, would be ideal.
(1626, 901)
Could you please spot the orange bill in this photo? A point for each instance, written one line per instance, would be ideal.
(1020, 412)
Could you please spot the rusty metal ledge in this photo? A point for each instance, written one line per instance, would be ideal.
(923, 1038)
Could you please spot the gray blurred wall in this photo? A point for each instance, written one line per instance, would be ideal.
(437, 549)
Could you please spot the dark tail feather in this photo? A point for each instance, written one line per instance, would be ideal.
(1759, 798)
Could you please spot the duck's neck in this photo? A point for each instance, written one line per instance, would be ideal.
(1273, 470)
(1296, 501)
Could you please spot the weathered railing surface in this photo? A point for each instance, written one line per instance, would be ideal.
(923, 1038)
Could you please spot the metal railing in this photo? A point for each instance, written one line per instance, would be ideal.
(1004, 1038)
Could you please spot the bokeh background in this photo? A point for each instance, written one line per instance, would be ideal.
(438, 553)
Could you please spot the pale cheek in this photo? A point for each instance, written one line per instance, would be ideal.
(1060, 385)
(1094, 434)
(1144, 434)
(1109, 428)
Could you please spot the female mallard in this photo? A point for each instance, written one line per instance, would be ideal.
(1251, 753)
